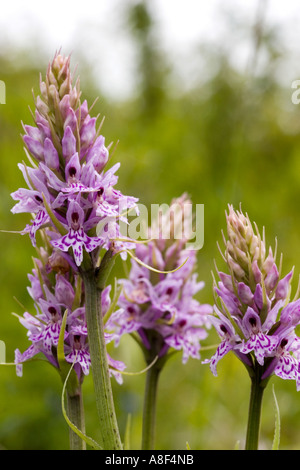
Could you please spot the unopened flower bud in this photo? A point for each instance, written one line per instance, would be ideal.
(256, 272)
(51, 155)
(245, 293)
(271, 278)
(43, 88)
(283, 287)
(51, 78)
(41, 107)
(236, 269)
(65, 88)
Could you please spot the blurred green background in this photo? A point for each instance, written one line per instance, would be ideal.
(233, 137)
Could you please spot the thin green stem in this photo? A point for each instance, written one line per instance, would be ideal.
(255, 406)
(76, 415)
(149, 410)
(99, 364)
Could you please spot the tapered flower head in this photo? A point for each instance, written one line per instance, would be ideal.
(68, 166)
(254, 314)
(160, 306)
(75, 209)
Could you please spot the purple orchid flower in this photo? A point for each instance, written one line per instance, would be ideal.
(76, 238)
(69, 160)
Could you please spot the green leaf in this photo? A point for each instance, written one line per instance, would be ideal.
(67, 373)
(74, 428)
(60, 345)
(127, 433)
(110, 311)
(276, 439)
(62, 230)
(63, 364)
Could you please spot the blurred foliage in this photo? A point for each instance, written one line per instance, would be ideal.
(231, 139)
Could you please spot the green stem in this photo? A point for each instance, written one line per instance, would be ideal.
(255, 405)
(149, 410)
(76, 415)
(99, 364)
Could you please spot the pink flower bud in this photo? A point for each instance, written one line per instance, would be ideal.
(68, 143)
(51, 155)
(87, 133)
(245, 294)
(283, 287)
(271, 278)
(35, 147)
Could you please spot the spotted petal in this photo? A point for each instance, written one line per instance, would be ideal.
(77, 239)
(287, 367)
(81, 357)
(262, 345)
(223, 348)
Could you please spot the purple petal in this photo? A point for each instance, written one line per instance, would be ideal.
(256, 272)
(87, 133)
(73, 169)
(223, 348)
(71, 120)
(271, 278)
(75, 215)
(35, 147)
(53, 180)
(98, 154)
(51, 155)
(287, 367)
(245, 293)
(68, 143)
(283, 286)
(64, 291)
